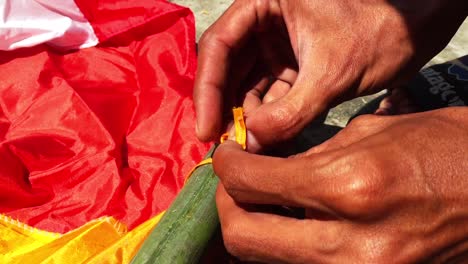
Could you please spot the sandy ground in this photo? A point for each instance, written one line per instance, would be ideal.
(207, 11)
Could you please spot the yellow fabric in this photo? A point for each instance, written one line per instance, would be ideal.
(104, 240)
(240, 134)
(239, 128)
(239, 125)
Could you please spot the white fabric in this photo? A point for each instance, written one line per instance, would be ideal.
(59, 23)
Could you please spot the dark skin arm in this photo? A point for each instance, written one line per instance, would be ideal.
(391, 188)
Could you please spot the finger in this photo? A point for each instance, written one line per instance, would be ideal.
(253, 98)
(397, 103)
(278, 54)
(244, 73)
(343, 183)
(258, 179)
(319, 84)
(277, 90)
(284, 117)
(216, 46)
(272, 238)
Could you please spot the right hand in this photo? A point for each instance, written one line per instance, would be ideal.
(385, 189)
(318, 53)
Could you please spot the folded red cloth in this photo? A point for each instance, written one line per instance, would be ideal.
(102, 131)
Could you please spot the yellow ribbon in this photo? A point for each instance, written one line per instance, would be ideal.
(239, 128)
(241, 137)
(203, 162)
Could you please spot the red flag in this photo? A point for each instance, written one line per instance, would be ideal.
(102, 131)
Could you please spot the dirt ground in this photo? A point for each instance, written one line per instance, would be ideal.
(207, 11)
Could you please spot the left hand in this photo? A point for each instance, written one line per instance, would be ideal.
(289, 61)
(392, 189)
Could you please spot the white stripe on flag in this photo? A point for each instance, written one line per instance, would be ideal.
(59, 23)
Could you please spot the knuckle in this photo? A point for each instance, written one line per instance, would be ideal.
(268, 97)
(331, 240)
(363, 191)
(285, 118)
(233, 241)
(237, 188)
(207, 38)
(262, 4)
(361, 196)
(232, 189)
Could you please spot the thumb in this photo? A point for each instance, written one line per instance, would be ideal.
(284, 118)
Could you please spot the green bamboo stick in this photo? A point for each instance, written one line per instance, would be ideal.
(187, 226)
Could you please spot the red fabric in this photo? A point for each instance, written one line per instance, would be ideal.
(105, 131)
(110, 17)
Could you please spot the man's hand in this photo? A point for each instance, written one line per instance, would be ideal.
(287, 61)
(385, 189)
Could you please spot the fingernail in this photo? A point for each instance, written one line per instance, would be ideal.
(252, 143)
